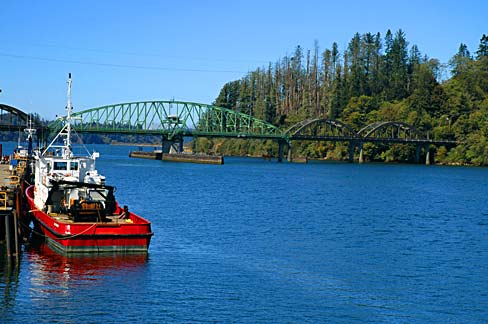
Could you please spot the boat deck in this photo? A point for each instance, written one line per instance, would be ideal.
(109, 219)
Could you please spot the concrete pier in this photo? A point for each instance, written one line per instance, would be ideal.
(193, 158)
(179, 157)
(146, 155)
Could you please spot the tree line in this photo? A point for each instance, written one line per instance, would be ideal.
(374, 79)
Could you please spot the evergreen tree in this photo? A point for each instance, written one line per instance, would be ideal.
(335, 56)
(386, 71)
(368, 49)
(355, 64)
(338, 95)
(326, 82)
(483, 47)
(398, 75)
(375, 84)
(365, 85)
(229, 95)
(459, 62)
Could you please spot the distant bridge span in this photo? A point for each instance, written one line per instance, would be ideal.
(171, 119)
(174, 120)
(324, 129)
(12, 118)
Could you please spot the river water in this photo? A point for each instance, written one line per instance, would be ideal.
(254, 241)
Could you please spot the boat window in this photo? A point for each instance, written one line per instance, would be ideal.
(73, 166)
(58, 165)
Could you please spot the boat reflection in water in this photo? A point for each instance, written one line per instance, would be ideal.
(48, 285)
(54, 273)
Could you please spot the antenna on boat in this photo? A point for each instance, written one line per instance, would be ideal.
(66, 130)
(30, 132)
(68, 120)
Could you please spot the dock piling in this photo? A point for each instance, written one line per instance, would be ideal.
(7, 235)
(11, 234)
(16, 235)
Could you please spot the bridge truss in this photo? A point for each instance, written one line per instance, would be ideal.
(320, 129)
(174, 120)
(171, 119)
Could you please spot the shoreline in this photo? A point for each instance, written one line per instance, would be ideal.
(135, 144)
(450, 164)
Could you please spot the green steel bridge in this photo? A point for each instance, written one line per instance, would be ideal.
(171, 119)
(174, 120)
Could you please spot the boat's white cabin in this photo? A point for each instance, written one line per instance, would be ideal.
(49, 169)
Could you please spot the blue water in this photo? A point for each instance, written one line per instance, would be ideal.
(253, 241)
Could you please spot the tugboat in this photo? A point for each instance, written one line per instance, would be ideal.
(74, 208)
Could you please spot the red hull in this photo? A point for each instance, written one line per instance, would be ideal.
(95, 237)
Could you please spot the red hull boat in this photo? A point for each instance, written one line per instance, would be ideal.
(121, 232)
(74, 208)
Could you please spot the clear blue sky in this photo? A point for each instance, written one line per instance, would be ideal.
(121, 51)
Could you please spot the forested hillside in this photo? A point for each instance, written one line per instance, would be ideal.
(375, 79)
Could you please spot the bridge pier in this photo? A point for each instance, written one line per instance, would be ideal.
(352, 148)
(427, 154)
(361, 158)
(281, 145)
(418, 151)
(177, 146)
(289, 153)
(174, 145)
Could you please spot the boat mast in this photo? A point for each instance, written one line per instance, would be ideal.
(65, 132)
(30, 132)
(67, 142)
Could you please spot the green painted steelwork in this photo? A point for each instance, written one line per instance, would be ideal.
(12, 118)
(392, 129)
(320, 127)
(174, 120)
(171, 119)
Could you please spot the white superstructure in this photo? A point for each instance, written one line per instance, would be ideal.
(63, 179)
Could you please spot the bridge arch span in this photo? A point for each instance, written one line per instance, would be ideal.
(320, 127)
(14, 112)
(12, 118)
(390, 129)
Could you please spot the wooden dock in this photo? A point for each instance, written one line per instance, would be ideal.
(11, 178)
